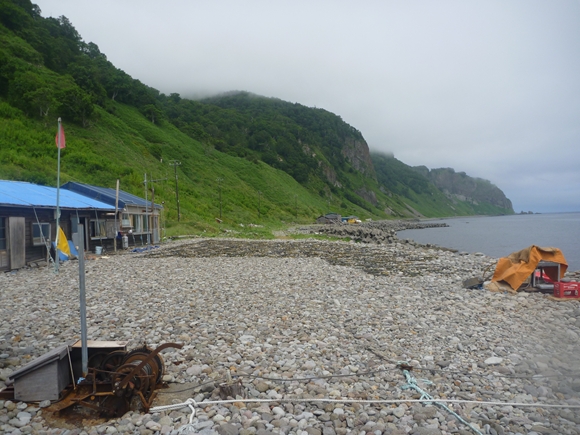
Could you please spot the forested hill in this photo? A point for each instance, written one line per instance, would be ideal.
(302, 141)
(239, 156)
(461, 186)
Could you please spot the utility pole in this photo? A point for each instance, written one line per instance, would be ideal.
(219, 181)
(150, 225)
(175, 164)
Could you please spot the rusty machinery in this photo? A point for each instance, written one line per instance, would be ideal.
(118, 381)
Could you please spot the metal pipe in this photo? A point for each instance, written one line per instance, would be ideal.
(84, 349)
(117, 228)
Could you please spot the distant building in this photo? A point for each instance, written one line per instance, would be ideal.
(329, 218)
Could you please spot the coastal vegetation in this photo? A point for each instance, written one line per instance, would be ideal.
(254, 163)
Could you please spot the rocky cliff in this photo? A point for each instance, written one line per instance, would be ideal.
(357, 152)
(465, 188)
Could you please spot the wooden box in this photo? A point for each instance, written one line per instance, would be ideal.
(44, 378)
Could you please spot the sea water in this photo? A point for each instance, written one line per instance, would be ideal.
(499, 236)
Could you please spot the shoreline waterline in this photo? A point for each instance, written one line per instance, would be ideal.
(499, 236)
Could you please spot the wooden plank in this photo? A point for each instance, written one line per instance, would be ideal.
(93, 344)
(38, 385)
(17, 242)
(4, 264)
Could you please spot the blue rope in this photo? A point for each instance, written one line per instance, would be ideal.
(412, 383)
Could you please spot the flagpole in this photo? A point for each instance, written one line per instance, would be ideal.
(58, 135)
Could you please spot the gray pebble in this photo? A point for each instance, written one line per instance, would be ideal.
(307, 309)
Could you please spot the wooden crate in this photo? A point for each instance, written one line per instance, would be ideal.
(44, 378)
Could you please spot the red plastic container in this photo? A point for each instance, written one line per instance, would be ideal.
(567, 289)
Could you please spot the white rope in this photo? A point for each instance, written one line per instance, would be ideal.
(173, 406)
(217, 402)
(189, 427)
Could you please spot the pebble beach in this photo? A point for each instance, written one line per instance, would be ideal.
(326, 338)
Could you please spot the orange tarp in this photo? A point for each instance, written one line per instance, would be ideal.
(518, 266)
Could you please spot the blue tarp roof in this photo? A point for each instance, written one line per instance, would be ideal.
(107, 195)
(20, 193)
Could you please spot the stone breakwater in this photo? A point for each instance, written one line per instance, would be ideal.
(306, 320)
(377, 232)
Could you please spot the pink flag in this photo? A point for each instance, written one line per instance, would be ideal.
(59, 138)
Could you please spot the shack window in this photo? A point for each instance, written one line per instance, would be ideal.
(138, 223)
(98, 229)
(126, 220)
(2, 233)
(40, 233)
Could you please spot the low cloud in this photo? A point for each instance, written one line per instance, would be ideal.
(487, 88)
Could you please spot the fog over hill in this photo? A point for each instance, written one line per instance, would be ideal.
(274, 159)
(489, 88)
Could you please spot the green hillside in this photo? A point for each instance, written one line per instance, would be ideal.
(271, 162)
(459, 185)
(425, 194)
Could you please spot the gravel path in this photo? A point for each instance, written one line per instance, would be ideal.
(305, 311)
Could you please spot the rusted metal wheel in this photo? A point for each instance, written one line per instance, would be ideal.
(96, 360)
(110, 364)
(138, 382)
(151, 368)
(157, 364)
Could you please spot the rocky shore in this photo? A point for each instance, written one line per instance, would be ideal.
(377, 232)
(301, 321)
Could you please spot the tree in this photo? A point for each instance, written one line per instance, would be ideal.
(43, 99)
(13, 16)
(152, 112)
(86, 76)
(31, 93)
(75, 104)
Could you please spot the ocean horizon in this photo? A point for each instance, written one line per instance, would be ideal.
(499, 236)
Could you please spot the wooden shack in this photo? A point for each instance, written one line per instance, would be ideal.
(329, 218)
(137, 217)
(28, 221)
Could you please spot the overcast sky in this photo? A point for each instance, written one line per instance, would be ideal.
(491, 88)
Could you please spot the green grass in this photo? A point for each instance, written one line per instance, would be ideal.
(125, 145)
(119, 146)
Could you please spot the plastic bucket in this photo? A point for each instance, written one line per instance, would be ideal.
(98, 250)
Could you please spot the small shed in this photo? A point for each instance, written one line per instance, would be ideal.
(47, 376)
(329, 218)
(44, 378)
